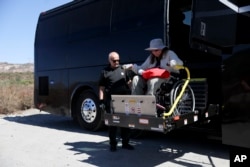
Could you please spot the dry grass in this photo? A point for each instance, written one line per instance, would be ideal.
(16, 92)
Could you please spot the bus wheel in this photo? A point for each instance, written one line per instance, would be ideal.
(89, 116)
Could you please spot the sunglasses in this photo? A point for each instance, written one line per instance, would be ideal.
(114, 61)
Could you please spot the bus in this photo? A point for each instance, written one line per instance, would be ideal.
(73, 40)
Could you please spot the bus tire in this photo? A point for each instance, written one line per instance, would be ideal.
(88, 114)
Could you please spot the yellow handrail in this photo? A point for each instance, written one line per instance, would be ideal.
(181, 93)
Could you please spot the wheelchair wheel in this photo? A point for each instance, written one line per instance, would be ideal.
(187, 101)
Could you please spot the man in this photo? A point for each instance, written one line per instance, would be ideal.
(114, 80)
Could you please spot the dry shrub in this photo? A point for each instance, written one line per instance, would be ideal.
(16, 92)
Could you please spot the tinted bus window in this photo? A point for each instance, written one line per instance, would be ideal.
(140, 14)
(51, 34)
(90, 20)
(133, 25)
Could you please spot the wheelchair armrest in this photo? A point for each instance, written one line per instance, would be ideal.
(175, 75)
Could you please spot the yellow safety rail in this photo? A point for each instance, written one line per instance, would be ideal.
(178, 67)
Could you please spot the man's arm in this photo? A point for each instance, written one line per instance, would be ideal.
(101, 92)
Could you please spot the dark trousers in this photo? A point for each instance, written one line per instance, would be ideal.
(125, 132)
(113, 133)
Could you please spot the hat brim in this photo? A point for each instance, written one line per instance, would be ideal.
(150, 49)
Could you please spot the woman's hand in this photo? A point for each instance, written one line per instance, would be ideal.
(140, 71)
(127, 66)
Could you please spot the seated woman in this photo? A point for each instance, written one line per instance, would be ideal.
(161, 57)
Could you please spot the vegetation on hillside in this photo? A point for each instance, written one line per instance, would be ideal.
(16, 92)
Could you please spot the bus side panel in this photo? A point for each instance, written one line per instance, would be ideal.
(129, 35)
(51, 75)
(59, 51)
(51, 91)
(236, 90)
(72, 44)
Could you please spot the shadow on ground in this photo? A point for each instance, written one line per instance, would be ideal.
(151, 148)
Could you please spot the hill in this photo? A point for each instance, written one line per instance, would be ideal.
(19, 68)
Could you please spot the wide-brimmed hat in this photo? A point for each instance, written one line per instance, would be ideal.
(156, 44)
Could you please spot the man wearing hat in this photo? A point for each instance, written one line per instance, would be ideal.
(161, 57)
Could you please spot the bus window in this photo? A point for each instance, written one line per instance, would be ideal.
(82, 26)
(140, 14)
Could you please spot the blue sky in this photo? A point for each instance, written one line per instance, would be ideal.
(18, 19)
